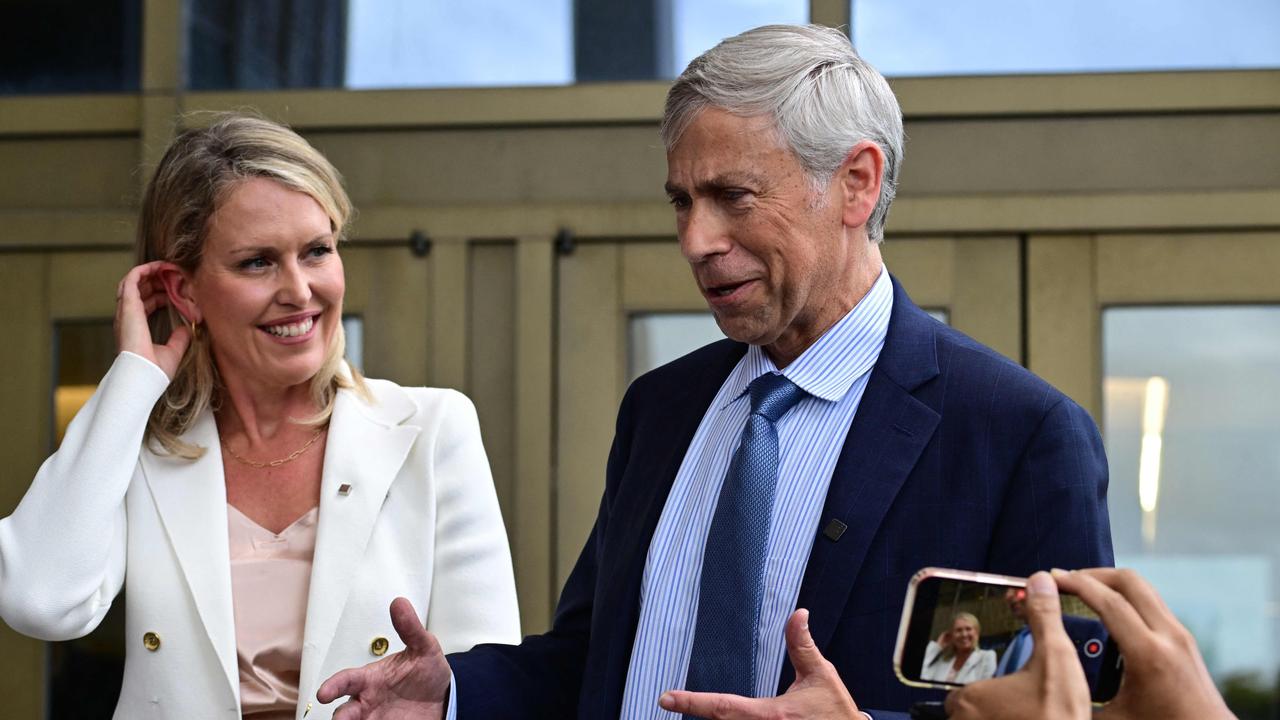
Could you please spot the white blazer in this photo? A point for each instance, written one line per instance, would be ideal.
(980, 665)
(420, 519)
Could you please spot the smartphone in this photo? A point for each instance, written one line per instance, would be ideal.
(959, 627)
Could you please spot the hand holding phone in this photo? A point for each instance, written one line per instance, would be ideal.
(1051, 685)
(1165, 676)
(960, 627)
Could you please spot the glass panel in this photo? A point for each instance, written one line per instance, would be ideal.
(64, 46)
(939, 314)
(406, 43)
(700, 24)
(84, 674)
(923, 37)
(1190, 416)
(659, 338)
(249, 44)
(353, 329)
(257, 45)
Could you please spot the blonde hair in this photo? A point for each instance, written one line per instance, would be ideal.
(968, 617)
(198, 171)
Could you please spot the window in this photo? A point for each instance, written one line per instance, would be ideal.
(61, 46)
(982, 37)
(1191, 418)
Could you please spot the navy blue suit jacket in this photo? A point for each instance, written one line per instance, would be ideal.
(957, 457)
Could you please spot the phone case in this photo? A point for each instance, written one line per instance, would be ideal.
(909, 604)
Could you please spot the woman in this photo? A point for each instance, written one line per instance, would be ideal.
(267, 502)
(955, 656)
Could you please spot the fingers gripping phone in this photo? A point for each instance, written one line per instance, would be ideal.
(959, 627)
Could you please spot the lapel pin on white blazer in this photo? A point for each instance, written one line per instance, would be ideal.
(344, 489)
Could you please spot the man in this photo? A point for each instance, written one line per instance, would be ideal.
(1086, 634)
(837, 443)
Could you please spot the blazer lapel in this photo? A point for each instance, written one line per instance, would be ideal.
(889, 431)
(366, 448)
(191, 498)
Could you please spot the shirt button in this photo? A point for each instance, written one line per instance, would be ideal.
(379, 646)
(151, 641)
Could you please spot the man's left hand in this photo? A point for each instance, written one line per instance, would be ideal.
(817, 692)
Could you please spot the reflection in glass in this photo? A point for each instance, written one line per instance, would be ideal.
(407, 43)
(923, 37)
(246, 44)
(700, 24)
(1191, 417)
(658, 338)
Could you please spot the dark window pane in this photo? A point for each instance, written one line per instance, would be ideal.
(62, 46)
(266, 44)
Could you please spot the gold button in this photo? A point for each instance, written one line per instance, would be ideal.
(151, 641)
(379, 646)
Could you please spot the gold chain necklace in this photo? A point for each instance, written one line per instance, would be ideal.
(275, 463)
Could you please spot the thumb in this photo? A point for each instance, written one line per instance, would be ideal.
(1044, 609)
(414, 636)
(805, 656)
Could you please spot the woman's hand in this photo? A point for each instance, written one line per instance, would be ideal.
(139, 295)
(944, 640)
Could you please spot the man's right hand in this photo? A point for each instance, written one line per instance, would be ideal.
(412, 684)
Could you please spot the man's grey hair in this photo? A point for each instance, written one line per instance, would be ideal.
(823, 99)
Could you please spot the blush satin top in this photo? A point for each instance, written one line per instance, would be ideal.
(270, 578)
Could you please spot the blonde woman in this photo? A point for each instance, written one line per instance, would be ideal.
(955, 656)
(261, 502)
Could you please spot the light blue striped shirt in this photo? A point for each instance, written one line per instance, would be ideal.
(834, 371)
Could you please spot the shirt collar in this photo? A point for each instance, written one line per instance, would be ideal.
(824, 369)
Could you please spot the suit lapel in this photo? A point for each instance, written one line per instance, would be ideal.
(191, 499)
(366, 448)
(889, 431)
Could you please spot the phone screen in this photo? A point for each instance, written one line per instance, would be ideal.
(956, 631)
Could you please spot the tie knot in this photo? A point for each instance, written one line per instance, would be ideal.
(772, 395)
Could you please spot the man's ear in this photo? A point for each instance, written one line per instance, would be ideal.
(178, 288)
(859, 178)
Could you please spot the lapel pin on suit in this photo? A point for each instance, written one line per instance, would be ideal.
(834, 530)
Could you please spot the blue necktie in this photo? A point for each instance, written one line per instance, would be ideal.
(1013, 660)
(724, 642)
